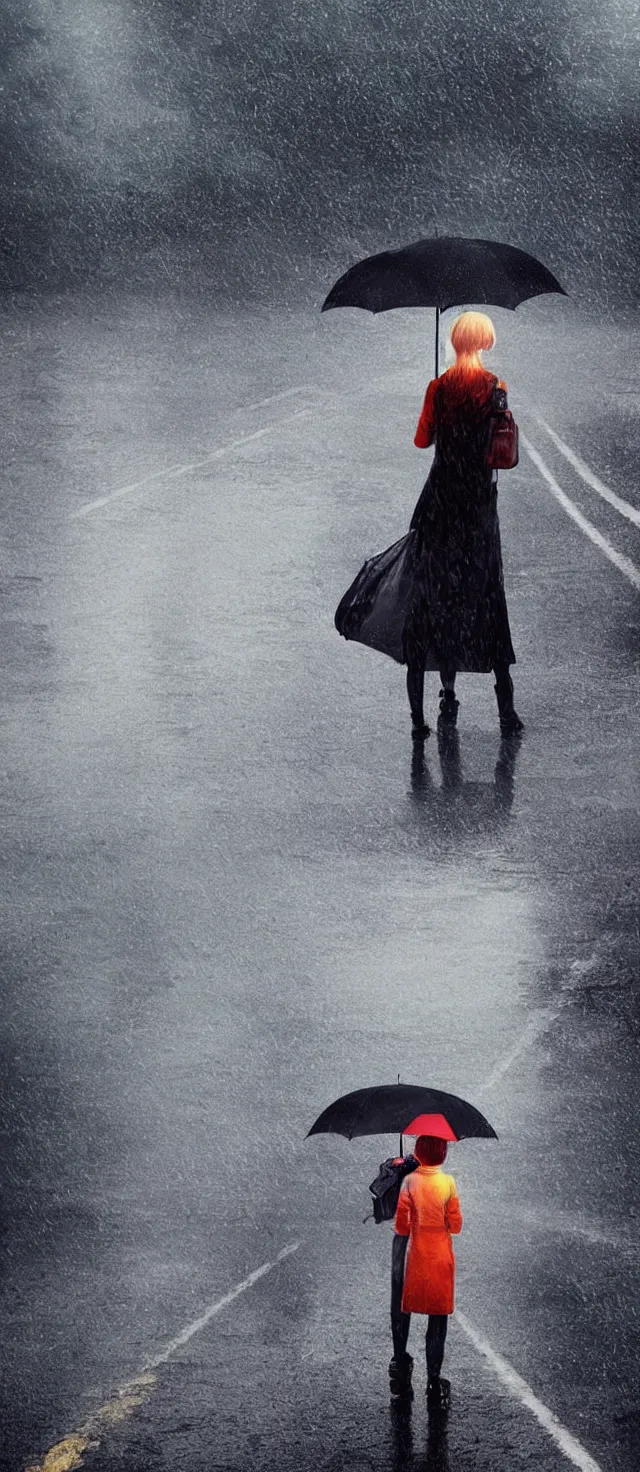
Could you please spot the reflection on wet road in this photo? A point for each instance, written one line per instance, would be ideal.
(459, 806)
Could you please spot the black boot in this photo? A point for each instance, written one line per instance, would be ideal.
(449, 707)
(400, 1371)
(438, 1393)
(510, 723)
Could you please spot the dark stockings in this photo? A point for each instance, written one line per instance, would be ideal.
(448, 703)
(504, 684)
(400, 1323)
(415, 691)
(435, 1340)
(436, 1335)
(510, 721)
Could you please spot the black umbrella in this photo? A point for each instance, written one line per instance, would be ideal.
(442, 272)
(393, 1108)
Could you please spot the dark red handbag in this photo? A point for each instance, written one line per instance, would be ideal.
(503, 434)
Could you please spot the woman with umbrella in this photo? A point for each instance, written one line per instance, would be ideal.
(457, 613)
(428, 1214)
(435, 599)
(425, 1204)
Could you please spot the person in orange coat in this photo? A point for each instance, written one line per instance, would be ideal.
(423, 1277)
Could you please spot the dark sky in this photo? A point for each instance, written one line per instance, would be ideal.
(265, 138)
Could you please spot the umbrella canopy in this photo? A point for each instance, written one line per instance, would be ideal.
(430, 1124)
(396, 1108)
(443, 271)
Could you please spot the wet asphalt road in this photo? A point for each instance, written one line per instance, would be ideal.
(233, 890)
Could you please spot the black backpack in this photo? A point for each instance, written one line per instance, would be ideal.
(386, 1187)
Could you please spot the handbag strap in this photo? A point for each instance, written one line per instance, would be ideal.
(499, 402)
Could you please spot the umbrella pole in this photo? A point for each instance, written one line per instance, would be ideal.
(401, 1139)
(437, 341)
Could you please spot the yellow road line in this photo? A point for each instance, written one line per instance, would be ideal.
(68, 1453)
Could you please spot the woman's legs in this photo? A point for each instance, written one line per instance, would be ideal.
(402, 1364)
(510, 722)
(448, 703)
(400, 1326)
(415, 691)
(435, 1339)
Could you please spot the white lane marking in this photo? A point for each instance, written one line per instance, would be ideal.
(286, 393)
(618, 559)
(631, 512)
(173, 471)
(534, 1029)
(215, 1308)
(540, 1024)
(568, 1444)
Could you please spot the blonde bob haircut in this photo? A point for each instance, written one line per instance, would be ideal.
(471, 333)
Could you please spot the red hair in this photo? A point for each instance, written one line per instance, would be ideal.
(429, 1150)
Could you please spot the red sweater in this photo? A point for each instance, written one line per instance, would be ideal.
(425, 433)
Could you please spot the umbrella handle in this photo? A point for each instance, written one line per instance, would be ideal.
(401, 1139)
(437, 341)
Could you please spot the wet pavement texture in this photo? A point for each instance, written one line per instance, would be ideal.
(233, 889)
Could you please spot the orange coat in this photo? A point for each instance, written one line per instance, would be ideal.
(428, 1212)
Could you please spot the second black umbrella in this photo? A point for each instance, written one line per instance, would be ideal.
(393, 1108)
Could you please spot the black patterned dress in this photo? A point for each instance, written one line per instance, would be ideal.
(437, 596)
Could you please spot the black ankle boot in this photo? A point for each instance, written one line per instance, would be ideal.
(438, 1393)
(510, 723)
(400, 1371)
(449, 707)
